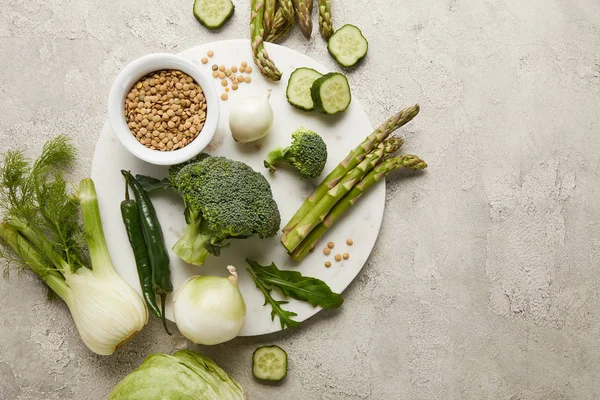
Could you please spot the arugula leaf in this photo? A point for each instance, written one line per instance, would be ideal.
(293, 284)
(150, 184)
(284, 315)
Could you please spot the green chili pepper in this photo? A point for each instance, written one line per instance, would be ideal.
(131, 219)
(153, 236)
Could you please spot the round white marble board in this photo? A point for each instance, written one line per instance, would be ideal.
(341, 133)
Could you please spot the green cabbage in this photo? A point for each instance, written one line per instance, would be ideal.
(182, 376)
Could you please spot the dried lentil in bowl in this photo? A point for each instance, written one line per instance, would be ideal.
(165, 110)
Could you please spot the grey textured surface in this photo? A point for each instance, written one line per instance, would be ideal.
(483, 284)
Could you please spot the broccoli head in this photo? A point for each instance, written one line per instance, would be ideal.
(224, 199)
(307, 154)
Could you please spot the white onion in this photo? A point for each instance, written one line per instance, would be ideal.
(250, 118)
(209, 309)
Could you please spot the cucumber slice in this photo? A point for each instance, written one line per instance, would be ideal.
(269, 363)
(298, 88)
(331, 93)
(213, 13)
(348, 45)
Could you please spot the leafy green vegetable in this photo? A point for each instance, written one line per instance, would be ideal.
(293, 284)
(284, 315)
(186, 375)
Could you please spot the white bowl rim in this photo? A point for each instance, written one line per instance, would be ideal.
(129, 76)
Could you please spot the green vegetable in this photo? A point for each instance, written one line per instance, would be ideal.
(303, 10)
(352, 160)
(40, 230)
(257, 34)
(331, 93)
(186, 375)
(298, 88)
(307, 154)
(213, 13)
(223, 199)
(348, 45)
(269, 363)
(285, 317)
(281, 25)
(376, 174)
(293, 284)
(133, 227)
(316, 215)
(325, 23)
(155, 243)
(269, 15)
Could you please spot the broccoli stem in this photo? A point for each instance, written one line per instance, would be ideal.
(351, 161)
(376, 174)
(273, 157)
(318, 213)
(191, 246)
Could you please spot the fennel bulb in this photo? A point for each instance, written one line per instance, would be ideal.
(41, 231)
(209, 309)
(184, 375)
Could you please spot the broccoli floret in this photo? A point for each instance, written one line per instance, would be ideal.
(224, 199)
(307, 154)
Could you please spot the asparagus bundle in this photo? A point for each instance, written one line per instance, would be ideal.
(325, 23)
(380, 171)
(318, 213)
(303, 10)
(351, 161)
(257, 32)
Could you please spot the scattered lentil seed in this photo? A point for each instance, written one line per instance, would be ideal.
(227, 89)
(244, 64)
(349, 242)
(247, 79)
(338, 257)
(234, 69)
(234, 86)
(328, 264)
(204, 60)
(346, 256)
(248, 69)
(210, 53)
(224, 96)
(215, 67)
(330, 245)
(221, 75)
(221, 68)
(224, 82)
(326, 251)
(227, 72)
(242, 69)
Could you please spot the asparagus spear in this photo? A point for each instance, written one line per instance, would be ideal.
(351, 161)
(269, 15)
(259, 54)
(325, 23)
(303, 15)
(381, 170)
(281, 27)
(287, 10)
(318, 213)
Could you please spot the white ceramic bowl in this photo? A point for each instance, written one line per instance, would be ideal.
(116, 107)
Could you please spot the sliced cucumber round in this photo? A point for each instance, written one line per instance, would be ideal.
(298, 88)
(269, 363)
(213, 13)
(331, 93)
(348, 45)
